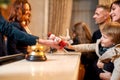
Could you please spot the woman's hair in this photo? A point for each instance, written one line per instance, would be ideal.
(19, 10)
(82, 31)
(115, 2)
(112, 29)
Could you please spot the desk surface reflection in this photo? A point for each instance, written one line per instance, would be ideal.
(57, 67)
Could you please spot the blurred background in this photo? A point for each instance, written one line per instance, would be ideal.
(58, 15)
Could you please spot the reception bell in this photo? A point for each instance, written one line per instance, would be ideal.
(36, 53)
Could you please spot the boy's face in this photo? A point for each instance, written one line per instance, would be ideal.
(106, 41)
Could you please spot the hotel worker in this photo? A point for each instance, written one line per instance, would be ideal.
(8, 29)
(20, 15)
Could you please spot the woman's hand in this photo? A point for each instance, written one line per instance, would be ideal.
(105, 76)
(50, 43)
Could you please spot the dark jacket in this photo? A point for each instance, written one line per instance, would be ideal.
(2, 45)
(96, 35)
(14, 46)
(9, 30)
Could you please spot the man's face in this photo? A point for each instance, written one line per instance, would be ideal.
(100, 15)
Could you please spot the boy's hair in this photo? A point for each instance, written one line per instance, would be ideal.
(112, 29)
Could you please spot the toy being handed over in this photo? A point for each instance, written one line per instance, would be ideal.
(62, 43)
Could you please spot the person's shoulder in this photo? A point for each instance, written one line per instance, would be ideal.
(15, 24)
(117, 48)
(2, 19)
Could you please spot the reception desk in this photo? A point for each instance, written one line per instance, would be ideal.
(57, 67)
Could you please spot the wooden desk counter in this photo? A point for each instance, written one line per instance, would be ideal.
(57, 67)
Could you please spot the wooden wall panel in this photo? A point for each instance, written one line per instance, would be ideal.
(108, 2)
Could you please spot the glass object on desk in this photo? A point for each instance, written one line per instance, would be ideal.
(36, 53)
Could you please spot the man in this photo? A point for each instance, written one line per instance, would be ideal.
(101, 17)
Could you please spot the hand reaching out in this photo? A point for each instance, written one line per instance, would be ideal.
(57, 40)
(50, 43)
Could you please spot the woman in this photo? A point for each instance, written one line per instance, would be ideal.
(81, 33)
(8, 29)
(115, 11)
(20, 15)
(115, 15)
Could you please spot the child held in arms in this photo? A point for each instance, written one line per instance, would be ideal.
(107, 49)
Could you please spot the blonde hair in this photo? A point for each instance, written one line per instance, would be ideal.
(82, 31)
(112, 29)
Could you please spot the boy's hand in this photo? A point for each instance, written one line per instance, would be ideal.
(100, 64)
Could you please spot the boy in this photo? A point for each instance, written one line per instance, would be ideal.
(107, 49)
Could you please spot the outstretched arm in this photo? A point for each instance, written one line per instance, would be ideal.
(84, 47)
(8, 29)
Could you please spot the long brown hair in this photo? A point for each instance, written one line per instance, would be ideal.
(82, 31)
(18, 10)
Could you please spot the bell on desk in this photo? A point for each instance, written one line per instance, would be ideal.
(36, 53)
